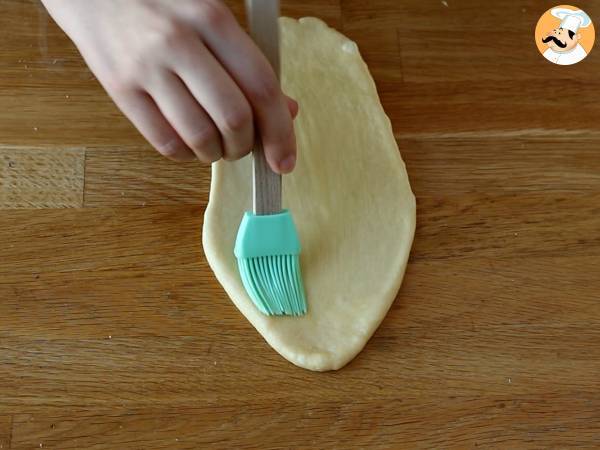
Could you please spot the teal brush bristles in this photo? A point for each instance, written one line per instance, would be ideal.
(267, 249)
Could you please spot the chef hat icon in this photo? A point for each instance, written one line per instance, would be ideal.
(571, 19)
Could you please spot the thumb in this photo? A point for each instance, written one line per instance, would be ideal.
(277, 134)
(285, 164)
(292, 106)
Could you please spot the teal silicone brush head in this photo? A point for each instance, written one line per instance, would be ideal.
(267, 249)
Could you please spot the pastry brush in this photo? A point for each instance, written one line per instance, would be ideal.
(267, 246)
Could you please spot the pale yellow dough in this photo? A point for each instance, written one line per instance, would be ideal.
(349, 195)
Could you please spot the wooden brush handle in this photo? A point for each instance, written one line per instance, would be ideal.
(262, 21)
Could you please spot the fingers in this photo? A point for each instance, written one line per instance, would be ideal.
(204, 90)
(186, 116)
(292, 106)
(218, 94)
(139, 107)
(253, 74)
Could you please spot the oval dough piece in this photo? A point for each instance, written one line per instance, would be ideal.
(349, 195)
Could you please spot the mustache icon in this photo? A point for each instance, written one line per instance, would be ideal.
(555, 40)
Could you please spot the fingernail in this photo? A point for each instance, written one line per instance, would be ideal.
(287, 164)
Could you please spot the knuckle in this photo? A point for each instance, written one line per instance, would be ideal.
(208, 158)
(237, 120)
(213, 13)
(116, 85)
(173, 150)
(133, 74)
(234, 156)
(122, 81)
(204, 139)
(265, 91)
(238, 151)
(174, 36)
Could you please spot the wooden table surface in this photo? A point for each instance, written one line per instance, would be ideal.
(114, 333)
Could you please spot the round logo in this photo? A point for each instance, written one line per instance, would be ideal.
(565, 35)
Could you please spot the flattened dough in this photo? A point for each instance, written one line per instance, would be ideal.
(349, 195)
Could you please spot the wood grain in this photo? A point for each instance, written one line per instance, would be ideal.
(462, 41)
(196, 369)
(491, 107)
(508, 226)
(517, 294)
(101, 238)
(446, 164)
(115, 334)
(462, 163)
(41, 178)
(324, 425)
(139, 176)
(5, 431)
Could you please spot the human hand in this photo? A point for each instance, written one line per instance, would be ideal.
(186, 74)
